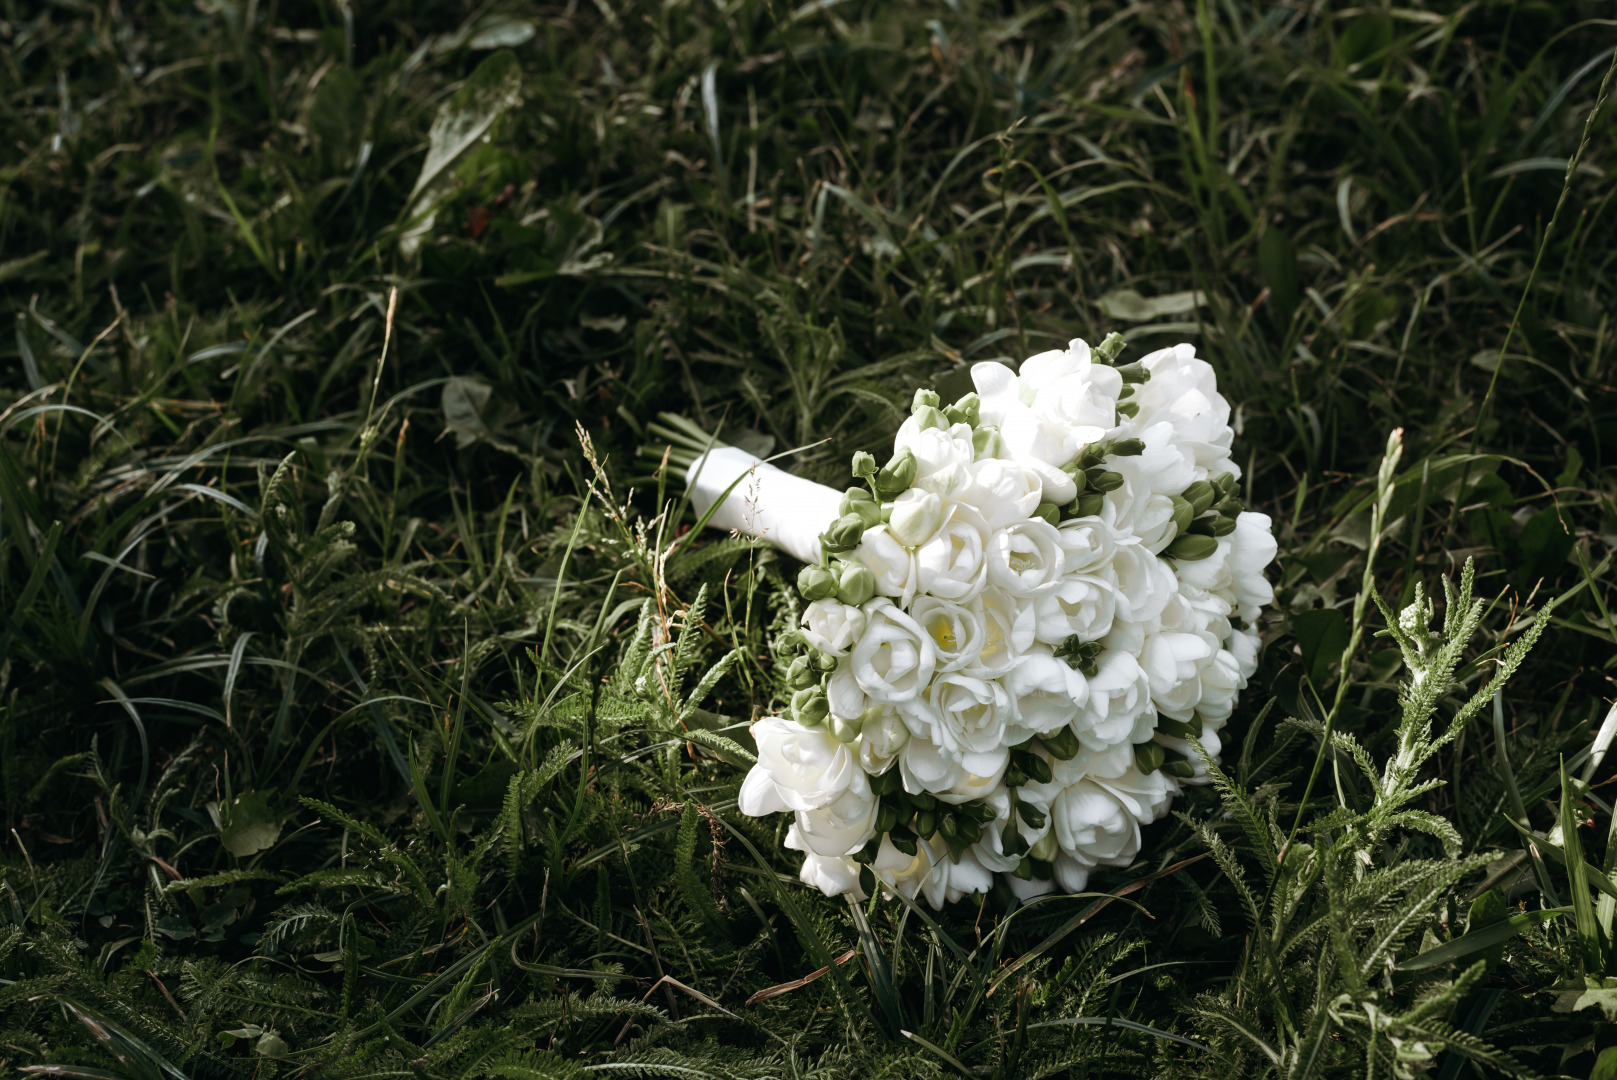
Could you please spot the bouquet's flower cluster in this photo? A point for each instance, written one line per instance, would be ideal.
(1013, 630)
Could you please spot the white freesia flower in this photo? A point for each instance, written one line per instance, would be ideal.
(947, 880)
(1212, 574)
(798, 768)
(900, 873)
(957, 631)
(953, 563)
(1211, 742)
(1089, 764)
(894, 658)
(1245, 645)
(1026, 559)
(832, 875)
(1184, 391)
(916, 516)
(966, 718)
(1046, 694)
(1221, 683)
(841, 826)
(844, 694)
(925, 766)
(969, 787)
(1080, 604)
(881, 739)
(1119, 708)
(1069, 388)
(1009, 626)
(891, 562)
(1093, 827)
(1174, 662)
(1253, 547)
(943, 456)
(1087, 544)
(832, 627)
(1002, 491)
(1145, 584)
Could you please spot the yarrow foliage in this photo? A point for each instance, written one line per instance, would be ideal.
(1013, 628)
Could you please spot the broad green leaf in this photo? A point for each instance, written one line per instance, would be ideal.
(1595, 993)
(251, 824)
(1129, 306)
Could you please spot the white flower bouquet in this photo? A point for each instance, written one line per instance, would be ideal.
(1013, 629)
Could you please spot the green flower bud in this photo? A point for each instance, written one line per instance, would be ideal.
(886, 818)
(896, 476)
(1062, 744)
(1108, 349)
(927, 418)
(1178, 729)
(970, 832)
(1223, 526)
(1102, 480)
(924, 399)
(1049, 512)
(1190, 547)
(1012, 842)
(844, 730)
(1200, 495)
(1129, 409)
(1080, 655)
(1046, 849)
(968, 410)
(864, 465)
(1202, 526)
(1229, 506)
(816, 582)
(1134, 373)
(801, 674)
(1037, 769)
(1149, 756)
(949, 826)
(985, 442)
(1030, 814)
(903, 841)
(1127, 448)
(861, 504)
(1087, 505)
(1183, 513)
(844, 534)
(1024, 870)
(856, 583)
(887, 783)
(1014, 776)
(1093, 454)
(822, 662)
(809, 707)
(983, 811)
(1225, 482)
(867, 880)
(1178, 767)
(926, 823)
(867, 854)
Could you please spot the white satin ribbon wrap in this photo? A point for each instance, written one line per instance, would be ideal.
(768, 503)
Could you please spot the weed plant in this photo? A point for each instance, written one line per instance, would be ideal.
(369, 709)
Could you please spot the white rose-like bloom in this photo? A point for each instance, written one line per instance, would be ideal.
(844, 694)
(947, 881)
(1069, 388)
(787, 510)
(1002, 491)
(798, 768)
(1093, 827)
(943, 456)
(966, 717)
(990, 850)
(1211, 574)
(881, 740)
(1119, 709)
(1184, 390)
(1174, 663)
(957, 631)
(1145, 584)
(923, 765)
(1244, 646)
(916, 516)
(1040, 444)
(1046, 694)
(969, 787)
(1008, 633)
(832, 627)
(842, 826)
(891, 562)
(1208, 610)
(1082, 604)
(1221, 683)
(1252, 547)
(894, 659)
(953, 562)
(833, 876)
(1026, 559)
(1087, 544)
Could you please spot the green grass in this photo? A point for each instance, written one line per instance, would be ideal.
(337, 734)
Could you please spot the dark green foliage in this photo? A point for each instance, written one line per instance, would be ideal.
(365, 710)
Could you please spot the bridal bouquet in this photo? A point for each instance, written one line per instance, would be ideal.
(1013, 627)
